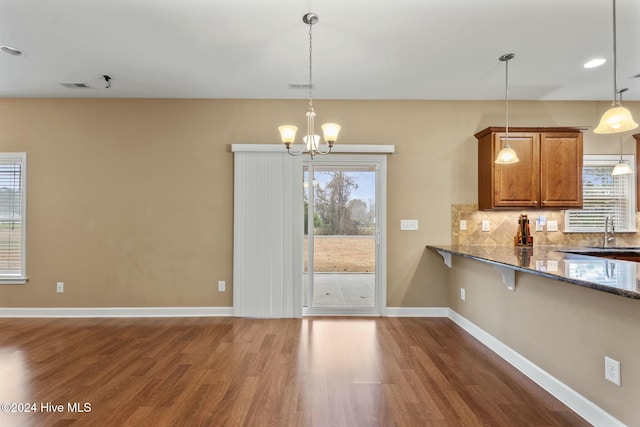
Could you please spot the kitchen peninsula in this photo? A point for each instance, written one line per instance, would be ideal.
(582, 267)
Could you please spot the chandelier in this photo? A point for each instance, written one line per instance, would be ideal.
(311, 141)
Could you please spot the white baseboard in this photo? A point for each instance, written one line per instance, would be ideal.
(416, 312)
(118, 312)
(588, 410)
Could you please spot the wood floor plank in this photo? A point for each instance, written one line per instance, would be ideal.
(262, 372)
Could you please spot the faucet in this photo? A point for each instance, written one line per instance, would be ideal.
(609, 269)
(609, 233)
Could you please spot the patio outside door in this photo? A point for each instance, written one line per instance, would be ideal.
(343, 237)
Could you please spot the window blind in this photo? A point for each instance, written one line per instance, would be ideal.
(12, 216)
(603, 195)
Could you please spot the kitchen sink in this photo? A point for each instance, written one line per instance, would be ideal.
(626, 253)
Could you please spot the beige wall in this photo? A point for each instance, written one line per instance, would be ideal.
(565, 329)
(130, 201)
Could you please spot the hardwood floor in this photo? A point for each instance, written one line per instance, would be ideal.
(258, 372)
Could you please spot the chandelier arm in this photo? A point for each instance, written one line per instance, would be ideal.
(293, 153)
(318, 151)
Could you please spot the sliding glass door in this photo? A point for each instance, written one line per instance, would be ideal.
(342, 235)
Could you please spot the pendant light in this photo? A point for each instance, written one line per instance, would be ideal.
(617, 118)
(622, 168)
(311, 140)
(507, 155)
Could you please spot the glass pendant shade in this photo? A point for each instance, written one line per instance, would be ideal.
(616, 119)
(622, 168)
(330, 132)
(507, 156)
(288, 133)
(311, 143)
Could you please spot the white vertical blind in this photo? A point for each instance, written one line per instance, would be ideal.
(603, 195)
(267, 243)
(12, 217)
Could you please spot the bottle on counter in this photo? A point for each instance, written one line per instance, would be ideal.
(523, 235)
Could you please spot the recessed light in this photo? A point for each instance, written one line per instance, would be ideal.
(594, 63)
(73, 85)
(11, 50)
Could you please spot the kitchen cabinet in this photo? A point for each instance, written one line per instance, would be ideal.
(548, 175)
(637, 137)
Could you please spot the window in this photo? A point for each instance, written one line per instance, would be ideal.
(604, 194)
(12, 218)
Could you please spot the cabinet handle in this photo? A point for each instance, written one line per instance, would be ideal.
(535, 203)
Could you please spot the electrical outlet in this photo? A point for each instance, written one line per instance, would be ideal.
(463, 294)
(552, 225)
(463, 225)
(486, 225)
(612, 370)
(221, 286)
(60, 287)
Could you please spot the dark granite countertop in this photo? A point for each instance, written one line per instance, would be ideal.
(566, 264)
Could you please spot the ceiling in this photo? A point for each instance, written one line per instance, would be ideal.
(362, 49)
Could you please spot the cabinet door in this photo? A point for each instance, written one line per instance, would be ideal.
(561, 170)
(518, 184)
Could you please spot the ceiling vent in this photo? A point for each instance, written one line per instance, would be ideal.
(304, 86)
(76, 85)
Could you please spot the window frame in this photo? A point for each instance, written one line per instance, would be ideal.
(21, 277)
(609, 160)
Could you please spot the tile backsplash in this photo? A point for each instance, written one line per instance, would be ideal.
(503, 226)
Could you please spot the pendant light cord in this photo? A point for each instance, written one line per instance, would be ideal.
(615, 65)
(506, 58)
(506, 100)
(310, 64)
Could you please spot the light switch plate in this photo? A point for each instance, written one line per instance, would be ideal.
(552, 265)
(408, 224)
(552, 225)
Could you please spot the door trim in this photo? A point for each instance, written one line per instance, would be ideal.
(379, 309)
(339, 148)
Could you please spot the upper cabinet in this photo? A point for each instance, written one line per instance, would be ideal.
(548, 175)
